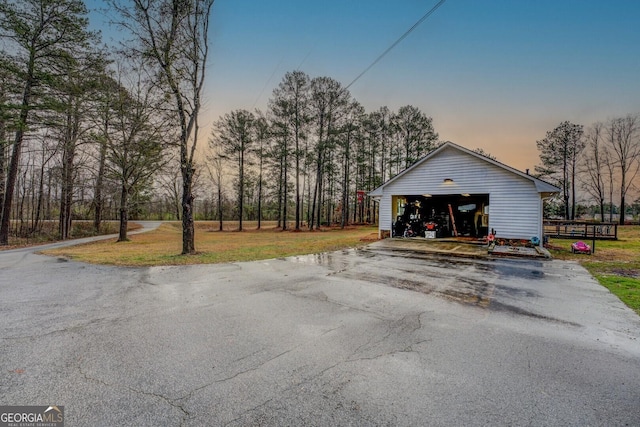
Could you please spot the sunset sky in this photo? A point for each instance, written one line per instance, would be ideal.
(493, 74)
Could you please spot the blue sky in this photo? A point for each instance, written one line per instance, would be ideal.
(495, 74)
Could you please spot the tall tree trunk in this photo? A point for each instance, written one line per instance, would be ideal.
(356, 210)
(98, 199)
(298, 198)
(565, 183)
(317, 192)
(297, 136)
(307, 188)
(15, 155)
(285, 193)
(124, 214)
(48, 204)
(623, 185)
(188, 226)
(241, 189)
(38, 208)
(260, 193)
(345, 183)
(220, 210)
(3, 136)
(318, 195)
(34, 195)
(610, 172)
(23, 195)
(312, 222)
(66, 197)
(573, 190)
(280, 192)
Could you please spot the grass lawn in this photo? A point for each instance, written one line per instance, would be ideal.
(163, 246)
(616, 264)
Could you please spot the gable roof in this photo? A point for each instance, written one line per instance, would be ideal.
(541, 186)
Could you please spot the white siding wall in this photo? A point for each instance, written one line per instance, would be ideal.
(385, 219)
(514, 203)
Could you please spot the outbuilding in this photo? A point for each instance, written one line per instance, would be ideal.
(454, 191)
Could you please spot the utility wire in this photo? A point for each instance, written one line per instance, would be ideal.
(420, 21)
(267, 82)
(307, 56)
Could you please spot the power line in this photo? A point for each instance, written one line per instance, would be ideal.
(420, 21)
(307, 56)
(267, 82)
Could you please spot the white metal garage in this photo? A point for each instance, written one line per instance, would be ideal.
(455, 191)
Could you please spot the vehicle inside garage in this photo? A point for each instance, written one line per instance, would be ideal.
(439, 216)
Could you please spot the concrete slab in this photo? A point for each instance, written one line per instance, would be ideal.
(519, 251)
(436, 246)
(460, 247)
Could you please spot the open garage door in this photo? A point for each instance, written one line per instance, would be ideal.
(441, 216)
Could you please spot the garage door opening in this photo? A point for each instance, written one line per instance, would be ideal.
(456, 215)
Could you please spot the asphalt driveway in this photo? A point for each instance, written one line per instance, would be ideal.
(360, 337)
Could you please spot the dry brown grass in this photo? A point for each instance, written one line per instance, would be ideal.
(163, 246)
(48, 233)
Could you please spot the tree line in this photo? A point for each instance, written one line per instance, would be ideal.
(600, 164)
(315, 152)
(85, 129)
(89, 131)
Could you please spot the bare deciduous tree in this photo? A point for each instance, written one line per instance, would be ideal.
(624, 137)
(134, 145)
(594, 167)
(173, 35)
(215, 166)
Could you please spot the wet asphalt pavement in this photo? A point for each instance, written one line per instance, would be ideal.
(360, 337)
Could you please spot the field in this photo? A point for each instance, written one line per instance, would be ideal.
(616, 263)
(163, 246)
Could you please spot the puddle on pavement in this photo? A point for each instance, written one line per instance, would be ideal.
(465, 290)
(498, 306)
(529, 270)
(486, 296)
(335, 261)
(395, 282)
(515, 292)
(525, 269)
